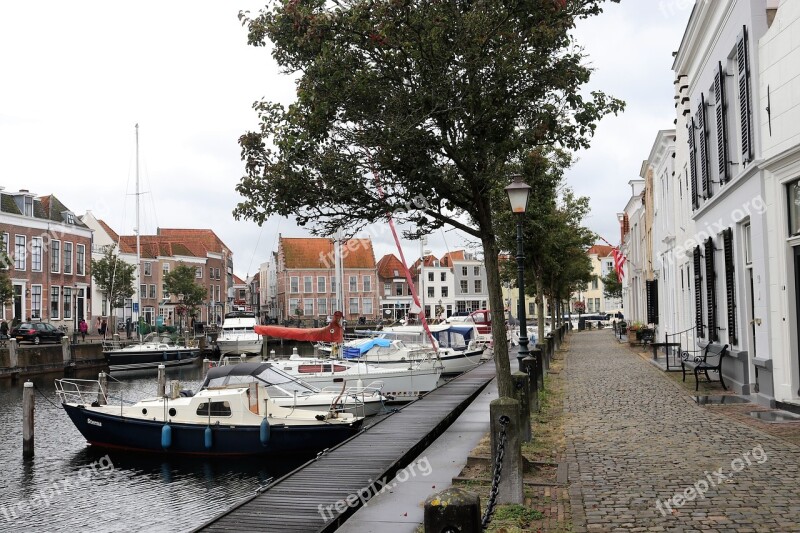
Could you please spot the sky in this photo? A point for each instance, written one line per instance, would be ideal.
(77, 77)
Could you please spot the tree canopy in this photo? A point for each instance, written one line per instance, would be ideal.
(6, 288)
(114, 277)
(422, 108)
(612, 288)
(181, 281)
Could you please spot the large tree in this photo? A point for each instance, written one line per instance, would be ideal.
(114, 277)
(418, 107)
(612, 287)
(181, 282)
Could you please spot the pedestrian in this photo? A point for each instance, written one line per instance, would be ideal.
(4, 329)
(97, 325)
(102, 329)
(83, 327)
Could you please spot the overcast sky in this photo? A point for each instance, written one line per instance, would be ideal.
(76, 77)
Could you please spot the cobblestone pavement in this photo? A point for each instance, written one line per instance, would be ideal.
(645, 457)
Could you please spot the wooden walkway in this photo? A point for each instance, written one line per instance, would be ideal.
(298, 501)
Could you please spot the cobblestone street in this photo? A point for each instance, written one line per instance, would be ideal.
(645, 457)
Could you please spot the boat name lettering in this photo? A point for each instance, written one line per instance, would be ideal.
(94, 422)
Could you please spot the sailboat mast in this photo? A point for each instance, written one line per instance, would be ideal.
(138, 244)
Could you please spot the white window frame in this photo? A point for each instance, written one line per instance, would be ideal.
(36, 254)
(67, 257)
(20, 252)
(353, 283)
(294, 284)
(353, 301)
(148, 268)
(308, 284)
(308, 306)
(366, 283)
(366, 306)
(36, 302)
(55, 256)
(322, 284)
(80, 259)
(55, 302)
(322, 306)
(198, 272)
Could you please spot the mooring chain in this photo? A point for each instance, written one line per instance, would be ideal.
(498, 468)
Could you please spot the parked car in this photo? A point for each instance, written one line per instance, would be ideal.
(36, 332)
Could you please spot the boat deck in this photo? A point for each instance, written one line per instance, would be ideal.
(305, 500)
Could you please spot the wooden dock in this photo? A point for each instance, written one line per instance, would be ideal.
(306, 500)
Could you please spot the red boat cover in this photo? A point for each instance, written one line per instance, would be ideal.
(330, 333)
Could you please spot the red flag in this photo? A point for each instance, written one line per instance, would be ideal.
(619, 263)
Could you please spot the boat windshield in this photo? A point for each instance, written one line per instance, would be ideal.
(277, 382)
(157, 338)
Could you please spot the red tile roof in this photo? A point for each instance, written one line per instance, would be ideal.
(449, 257)
(601, 250)
(315, 252)
(387, 266)
(237, 280)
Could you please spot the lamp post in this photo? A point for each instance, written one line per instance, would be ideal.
(518, 193)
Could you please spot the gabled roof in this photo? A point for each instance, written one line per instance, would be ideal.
(44, 208)
(449, 257)
(316, 252)
(237, 280)
(388, 265)
(601, 250)
(205, 237)
(430, 261)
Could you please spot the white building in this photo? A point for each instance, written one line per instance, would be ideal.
(632, 227)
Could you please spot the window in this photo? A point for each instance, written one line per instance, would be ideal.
(353, 283)
(793, 194)
(387, 289)
(396, 273)
(430, 276)
(67, 257)
(730, 284)
(461, 307)
(36, 254)
(165, 269)
(366, 282)
(70, 218)
(55, 297)
(698, 294)
(366, 306)
(322, 305)
(219, 294)
(463, 271)
(19, 252)
(711, 290)
(198, 272)
(703, 146)
(333, 285)
(531, 308)
(36, 301)
(216, 409)
(431, 293)
(148, 268)
(28, 206)
(464, 286)
(80, 258)
(594, 284)
(476, 271)
(218, 274)
(143, 290)
(748, 255)
(398, 289)
(294, 305)
(67, 303)
(353, 306)
(590, 305)
(444, 292)
(152, 291)
(322, 285)
(745, 104)
(721, 113)
(443, 276)
(308, 306)
(308, 284)
(55, 256)
(597, 304)
(294, 284)
(693, 162)
(478, 286)
(5, 246)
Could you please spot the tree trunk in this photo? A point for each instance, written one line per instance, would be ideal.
(499, 336)
(540, 309)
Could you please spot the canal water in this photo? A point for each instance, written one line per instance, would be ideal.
(68, 486)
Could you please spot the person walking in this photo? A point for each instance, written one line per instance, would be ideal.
(4, 329)
(83, 327)
(102, 329)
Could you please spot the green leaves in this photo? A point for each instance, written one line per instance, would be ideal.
(181, 281)
(114, 277)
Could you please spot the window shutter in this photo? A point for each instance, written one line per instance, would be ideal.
(730, 281)
(693, 162)
(711, 293)
(701, 125)
(652, 301)
(698, 293)
(745, 110)
(722, 128)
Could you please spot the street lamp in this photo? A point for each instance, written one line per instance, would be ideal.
(518, 193)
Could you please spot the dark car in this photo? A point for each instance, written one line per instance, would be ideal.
(36, 332)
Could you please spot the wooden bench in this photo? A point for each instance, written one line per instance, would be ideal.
(710, 360)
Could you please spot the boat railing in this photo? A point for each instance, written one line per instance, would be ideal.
(80, 391)
(355, 396)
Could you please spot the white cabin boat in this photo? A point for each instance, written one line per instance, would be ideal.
(238, 335)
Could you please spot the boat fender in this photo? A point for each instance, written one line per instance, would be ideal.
(166, 436)
(209, 438)
(320, 417)
(263, 433)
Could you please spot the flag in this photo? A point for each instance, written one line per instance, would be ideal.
(619, 263)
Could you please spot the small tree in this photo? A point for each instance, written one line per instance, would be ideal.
(114, 277)
(181, 280)
(6, 289)
(612, 288)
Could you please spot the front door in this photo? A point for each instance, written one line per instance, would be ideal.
(18, 303)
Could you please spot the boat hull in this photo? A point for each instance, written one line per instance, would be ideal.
(232, 346)
(127, 360)
(112, 431)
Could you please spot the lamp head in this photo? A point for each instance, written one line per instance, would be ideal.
(518, 192)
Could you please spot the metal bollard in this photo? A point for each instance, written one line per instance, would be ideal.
(28, 408)
(206, 364)
(507, 438)
(540, 351)
(161, 388)
(522, 393)
(453, 509)
(102, 391)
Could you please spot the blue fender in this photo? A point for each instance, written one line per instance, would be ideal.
(166, 436)
(208, 438)
(264, 432)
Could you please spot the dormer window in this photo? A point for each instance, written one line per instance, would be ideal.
(69, 218)
(29, 206)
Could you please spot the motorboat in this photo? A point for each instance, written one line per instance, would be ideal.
(154, 350)
(233, 413)
(238, 335)
(458, 346)
(397, 384)
(286, 390)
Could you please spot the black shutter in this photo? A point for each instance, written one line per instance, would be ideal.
(693, 163)
(745, 106)
(701, 126)
(652, 301)
(711, 293)
(730, 281)
(722, 128)
(698, 293)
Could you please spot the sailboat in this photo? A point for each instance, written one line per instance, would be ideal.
(155, 349)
